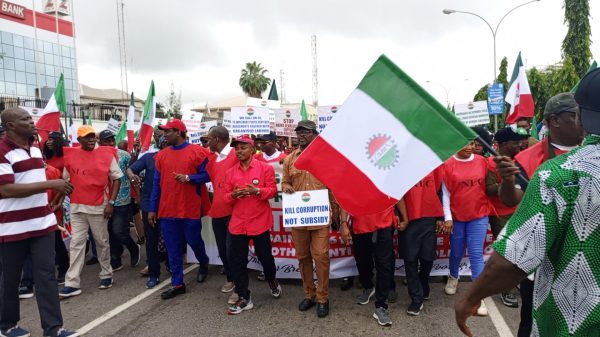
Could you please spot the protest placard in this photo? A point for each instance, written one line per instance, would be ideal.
(192, 120)
(286, 121)
(473, 113)
(249, 120)
(325, 114)
(306, 208)
(113, 126)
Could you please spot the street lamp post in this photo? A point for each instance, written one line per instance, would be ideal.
(494, 33)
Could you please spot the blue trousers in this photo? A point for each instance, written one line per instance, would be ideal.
(176, 233)
(152, 254)
(473, 234)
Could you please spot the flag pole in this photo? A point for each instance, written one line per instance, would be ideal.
(491, 150)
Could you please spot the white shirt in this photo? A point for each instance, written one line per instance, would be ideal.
(224, 153)
(275, 155)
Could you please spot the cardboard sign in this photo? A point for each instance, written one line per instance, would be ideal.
(204, 127)
(263, 103)
(192, 120)
(326, 114)
(227, 120)
(473, 113)
(249, 120)
(113, 126)
(286, 121)
(306, 208)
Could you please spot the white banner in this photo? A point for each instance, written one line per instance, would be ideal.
(263, 103)
(113, 126)
(326, 114)
(473, 113)
(227, 120)
(204, 127)
(286, 121)
(249, 120)
(192, 120)
(306, 208)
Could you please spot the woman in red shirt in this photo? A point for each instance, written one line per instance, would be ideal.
(466, 210)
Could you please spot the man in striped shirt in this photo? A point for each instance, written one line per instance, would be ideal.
(27, 225)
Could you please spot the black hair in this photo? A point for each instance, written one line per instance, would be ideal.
(220, 132)
(58, 148)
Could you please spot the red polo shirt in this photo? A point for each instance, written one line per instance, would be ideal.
(423, 201)
(217, 172)
(465, 181)
(252, 214)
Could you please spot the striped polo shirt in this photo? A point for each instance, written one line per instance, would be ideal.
(23, 218)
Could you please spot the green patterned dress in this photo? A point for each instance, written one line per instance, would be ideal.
(556, 232)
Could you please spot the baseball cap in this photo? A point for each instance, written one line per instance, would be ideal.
(85, 130)
(242, 139)
(507, 134)
(269, 137)
(308, 125)
(563, 102)
(104, 134)
(175, 124)
(589, 101)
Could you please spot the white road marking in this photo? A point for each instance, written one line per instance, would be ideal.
(98, 321)
(497, 319)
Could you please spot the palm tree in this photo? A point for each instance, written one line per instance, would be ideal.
(253, 79)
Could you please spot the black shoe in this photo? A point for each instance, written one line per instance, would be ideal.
(202, 273)
(414, 309)
(172, 292)
(347, 283)
(91, 261)
(323, 309)
(306, 304)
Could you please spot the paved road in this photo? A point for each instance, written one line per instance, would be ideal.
(201, 312)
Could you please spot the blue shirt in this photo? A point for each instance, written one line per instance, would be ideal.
(145, 163)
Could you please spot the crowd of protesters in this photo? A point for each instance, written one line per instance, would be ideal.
(101, 190)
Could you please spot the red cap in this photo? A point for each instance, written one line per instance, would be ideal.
(176, 124)
(242, 139)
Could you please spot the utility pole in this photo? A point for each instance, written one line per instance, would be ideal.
(315, 78)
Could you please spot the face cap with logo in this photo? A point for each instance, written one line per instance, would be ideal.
(588, 98)
(174, 124)
(245, 139)
(563, 102)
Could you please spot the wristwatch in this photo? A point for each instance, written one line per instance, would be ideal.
(257, 192)
(111, 202)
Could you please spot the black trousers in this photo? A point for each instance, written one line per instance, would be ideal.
(375, 249)
(417, 248)
(119, 235)
(152, 234)
(12, 256)
(62, 254)
(220, 226)
(239, 260)
(526, 288)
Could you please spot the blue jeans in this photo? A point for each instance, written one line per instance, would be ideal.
(176, 233)
(473, 234)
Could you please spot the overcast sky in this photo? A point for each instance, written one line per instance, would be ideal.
(201, 46)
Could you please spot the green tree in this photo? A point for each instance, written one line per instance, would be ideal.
(576, 44)
(253, 79)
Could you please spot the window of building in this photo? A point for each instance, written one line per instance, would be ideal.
(66, 62)
(48, 58)
(20, 64)
(41, 81)
(30, 67)
(48, 47)
(28, 43)
(31, 79)
(49, 70)
(57, 60)
(18, 40)
(19, 53)
(9, 63)
(56, 49)
(2, 89)
(8, 50)
(21, 89)
(9, 75)
(41, 69)
(29, 55)
(31, 90)
(11, 88)
(7, 38)
(20, 77)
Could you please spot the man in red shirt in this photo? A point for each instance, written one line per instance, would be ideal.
(221, 160)
(417, 242)
(248, 188)
(509, 144)
(179, 199)
(373, 240)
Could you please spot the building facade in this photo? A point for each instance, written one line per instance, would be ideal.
(36, 47)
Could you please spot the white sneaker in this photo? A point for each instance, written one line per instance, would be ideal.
(482, 310)
(451, 285)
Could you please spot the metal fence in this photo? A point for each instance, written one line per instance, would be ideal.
(98, 111)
